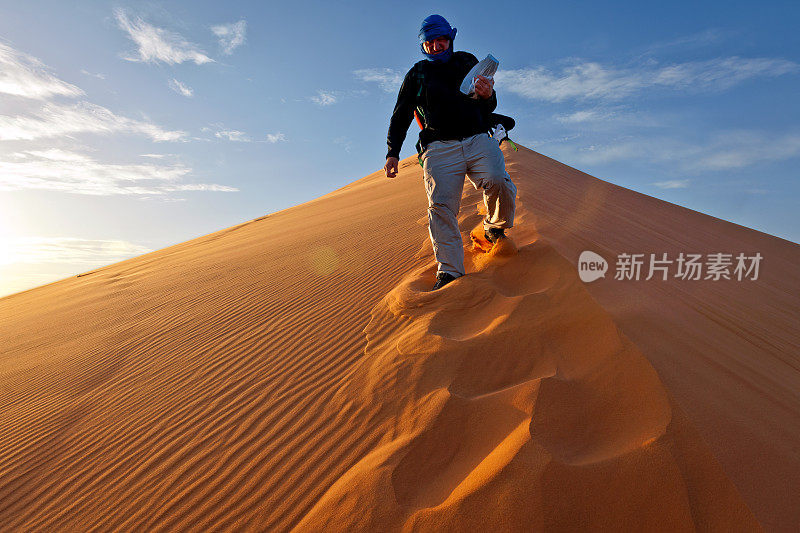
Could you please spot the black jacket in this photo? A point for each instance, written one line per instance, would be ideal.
(432, 88)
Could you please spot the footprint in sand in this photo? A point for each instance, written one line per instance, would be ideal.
(496, 388)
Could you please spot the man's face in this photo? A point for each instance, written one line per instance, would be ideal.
(436, 46)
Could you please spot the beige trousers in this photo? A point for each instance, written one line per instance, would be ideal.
(445, 164)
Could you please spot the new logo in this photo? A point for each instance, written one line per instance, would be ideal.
(591, 266)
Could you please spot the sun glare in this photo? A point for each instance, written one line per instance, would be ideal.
(7, 249)
(8, 239)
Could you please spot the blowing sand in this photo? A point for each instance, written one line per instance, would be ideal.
(264, 379)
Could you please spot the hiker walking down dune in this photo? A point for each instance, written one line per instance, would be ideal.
(453, 144)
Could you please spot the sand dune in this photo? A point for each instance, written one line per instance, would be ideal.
(265, 379)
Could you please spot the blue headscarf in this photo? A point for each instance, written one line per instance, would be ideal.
(432, 27)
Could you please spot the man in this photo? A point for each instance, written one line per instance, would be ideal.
(453, 144)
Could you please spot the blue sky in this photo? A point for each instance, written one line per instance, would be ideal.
(126, 127)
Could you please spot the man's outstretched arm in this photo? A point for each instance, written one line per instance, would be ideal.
(401, 119)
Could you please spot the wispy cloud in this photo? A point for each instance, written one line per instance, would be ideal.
(24, 75)
(276, 137)
(48, 168)
(157, 44)
(54, 120)
(672, 184)
(744, 148)
(324, 98)
(612, 119)
(389, 80)
(720, 74)
(212, 187)
(694, 40)
(180, 88)
(241, 136)
(344, 142)
(61, 170)
(230, 36)
(591, 80)
(69, 250)
(723, 151)
(232, 135)
(584, 115)
(99, 76)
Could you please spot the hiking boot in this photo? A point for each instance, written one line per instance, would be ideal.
(442, 279)
(495, 234)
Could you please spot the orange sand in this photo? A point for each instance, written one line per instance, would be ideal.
(261, 379)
